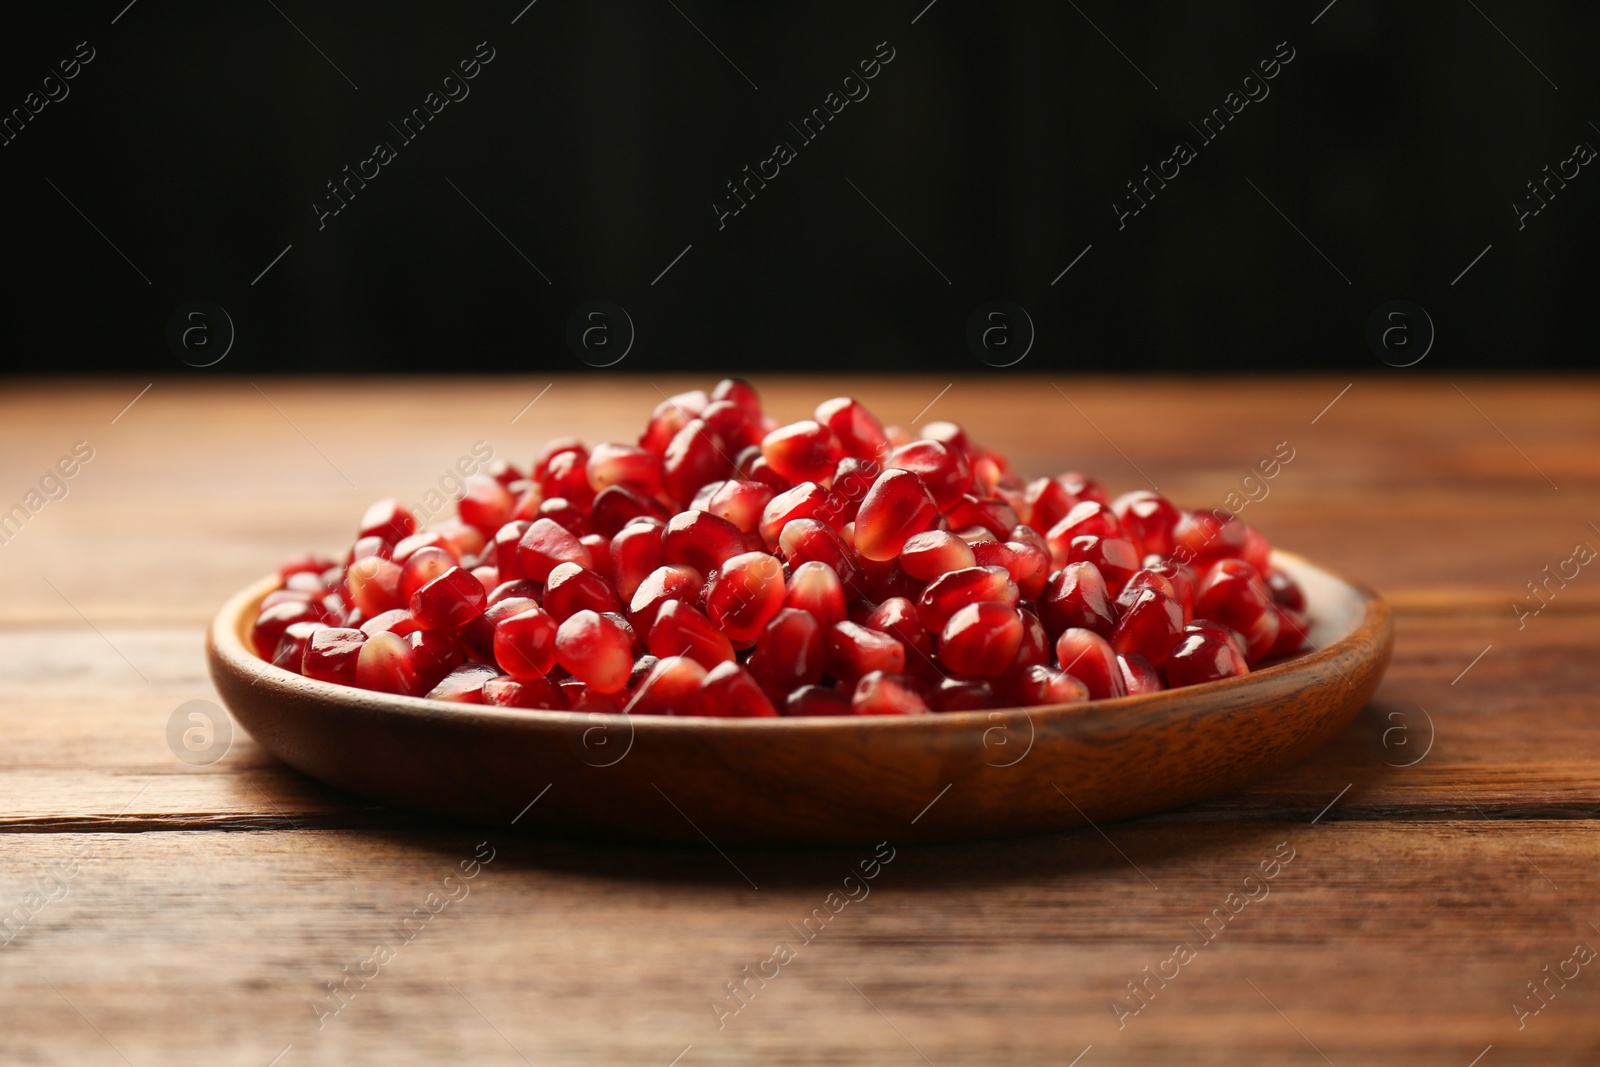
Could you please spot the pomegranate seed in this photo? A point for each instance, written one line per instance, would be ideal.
(271, 624)
(635, 645)
(291, 650)
(897, 617)
(547, 544)
(803, 451)
(804, 501)
(618, 505)
(504, 546)
(1147, 519)
(897, 506)
(931, 553)
(981, 639)
(464, 684)
(636, 468)
(567, 476)
(1087, 656)
(994, 514)
(464, 540)
(495, 614)
(399, 621)
(741, 392)
(525, 644)
(852, 651)
(449, 601)
(1116, 558)
(599, 551)
(954, 591)
(1150, 626)
(1142, 580)
(385, 664)
(1182, 578)
(331, 654)
(1076, 596)
(374, 584)
(744, 594)
(694, 457)
(571, 589)
(1234, 594)
(388, 519)
(702, 540)
(670, 416)
(595, 650)
(422, 567)
(1046, 502)
(1293, 634)
(308, 564)
(1139, 675)
(680, 630)
(1203, 537)
(1285, 593)
(728, 691)
(1036, 646)
(947, 433)
(879, 693)
(789, 654)
(1087, 518)
(1082, 487)
(740, 502)
(1037, 685)
(963, 694)
(942, 469)
(852, 479)
(540, 693)
(635, 552)
(529, 499)
(807, 540)
(857, 429)
(566, 514)
(1201, 657)
(485, 504)
(671, 688)
(880, 581)
(811, 700)
(815, 587)
(520, 589)
(672, 582)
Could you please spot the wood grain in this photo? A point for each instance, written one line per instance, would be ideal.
(210, 904)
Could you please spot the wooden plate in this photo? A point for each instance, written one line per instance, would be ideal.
(815, 780)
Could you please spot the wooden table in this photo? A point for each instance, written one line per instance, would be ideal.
(1444, 847)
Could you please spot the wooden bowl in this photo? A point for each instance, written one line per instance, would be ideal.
(832, 780)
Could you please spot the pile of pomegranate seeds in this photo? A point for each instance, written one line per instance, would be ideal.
(730, 566)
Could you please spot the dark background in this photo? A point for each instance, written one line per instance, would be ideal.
(996, 141)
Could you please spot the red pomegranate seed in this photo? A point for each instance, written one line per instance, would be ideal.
(1142, 580)
(1234, 594)
(331, 655)
(599, 551)
(732, 423)
(1200, 538)
(1150, 626)
(635, 643)
(464, 684)
(422, 567)
(994, 514)
(680, 630)
(1088, 657)
(618, 505)
(852, 651)
(981, 639)
(506, 557)
(789, 654)
(963, 694)
(1285, 592)
(567, 514)
(1139, 675)
(804, 501)
(374, 585)
(671, 688)
(942, 469)
(464, 540)
(1037, 685)
(957, 589)
(386, 664)
(291, 650)
(670, 416)
(288, 596)
(1147, 519)
(571, 589)
(879, 693)
(525, 644)
(729, 691)
(399, 621)
(547, 544)
(307, 564)
(1076, 596)
(520, 589)
(635, 552)
(270, 625)
(947, 433)
(540, 693)
(857, 429)
(740, 502)
(1087, 518)
(744, 594)
(595, 650)
(852, 479)
(1037, 645)
(637, 468)
(812, 700)
(671, 582)
(388, 519)
(485, 504)
(897, 506)
(434, 654)
(815, 587)
(1201, 657)
(695, 456)
(807, 540)
(529, 499)
(1182, 578)
(803, 451)
(931, 553)
(567, 476)
(404, 549)
(701, 540)
(741, 392)
(449, 601)
(1293, 634)
(1116, 558)
(1046, 502)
